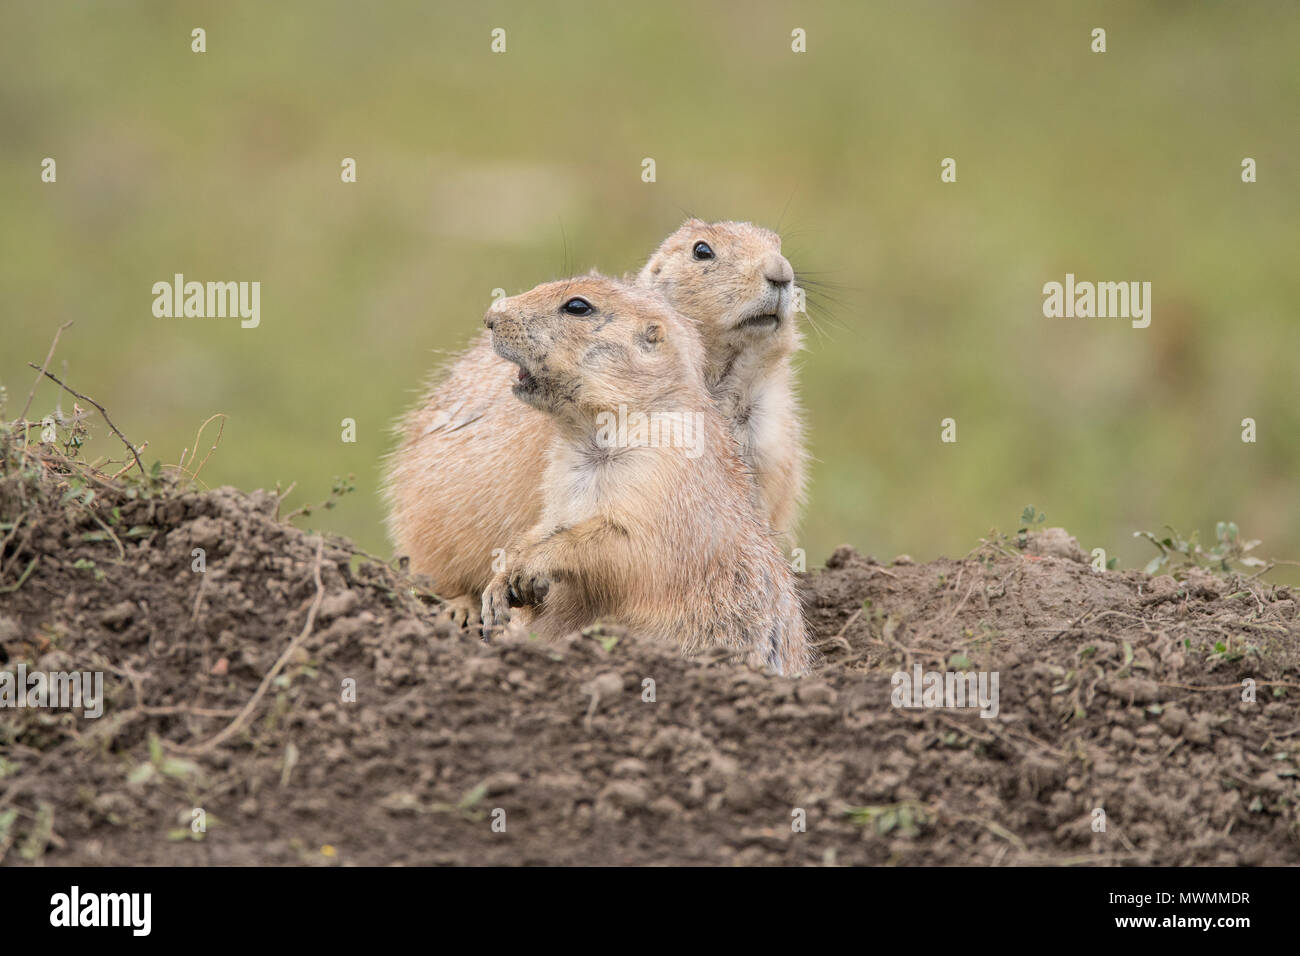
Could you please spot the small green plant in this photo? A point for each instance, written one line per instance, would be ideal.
(1226, 651)
(906, 817)
(160, 765)
(1228, 554)
(1030, 520)
(85, 564)
(341, 487)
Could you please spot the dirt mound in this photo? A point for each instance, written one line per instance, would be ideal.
(227, 692)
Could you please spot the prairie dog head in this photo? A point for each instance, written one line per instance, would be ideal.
(588, 344)
(731, 279)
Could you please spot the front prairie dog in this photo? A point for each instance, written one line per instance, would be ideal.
(462, 484)
(647, 515)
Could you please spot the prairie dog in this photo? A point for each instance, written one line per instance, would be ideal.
(647, 517)
(731, 278)
(462, 484)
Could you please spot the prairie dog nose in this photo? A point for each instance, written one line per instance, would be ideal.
(776, 269)
(495, 309)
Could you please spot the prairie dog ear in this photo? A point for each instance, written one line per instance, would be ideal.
(651, 335)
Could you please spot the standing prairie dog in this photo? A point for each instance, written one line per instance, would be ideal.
(462, 484)
(731, 278)
(647, 516)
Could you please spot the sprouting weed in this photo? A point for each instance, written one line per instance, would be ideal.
(1229, 553)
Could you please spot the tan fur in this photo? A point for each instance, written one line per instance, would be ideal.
(462, 483)
(748, 369)
(664, 539)
(464, 480)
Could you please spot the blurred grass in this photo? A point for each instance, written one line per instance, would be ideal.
(479, 170)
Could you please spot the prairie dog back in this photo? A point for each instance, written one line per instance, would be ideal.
(463, 482)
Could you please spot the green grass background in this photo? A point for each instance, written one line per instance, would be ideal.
(479, 170)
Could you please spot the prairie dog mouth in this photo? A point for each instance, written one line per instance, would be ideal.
(768, 311)
(766, 320)
(526, 382)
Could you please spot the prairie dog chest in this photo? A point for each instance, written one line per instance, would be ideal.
(760, 424)
(581, 482)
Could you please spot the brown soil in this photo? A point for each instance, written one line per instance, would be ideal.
(1118, 692)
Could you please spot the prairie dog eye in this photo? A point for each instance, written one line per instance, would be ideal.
(702, 251)
(577, 306)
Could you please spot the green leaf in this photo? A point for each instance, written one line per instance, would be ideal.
(178, 768)
(473, 797)
(33, 847)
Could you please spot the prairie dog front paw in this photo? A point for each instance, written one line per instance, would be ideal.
(496, 605)
(526, 586)
(463, 610)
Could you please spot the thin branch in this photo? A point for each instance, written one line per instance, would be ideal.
(125, 468)
(221, 430)
(49, 355)
(99, 521)
(21, 578)
(85, 398)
